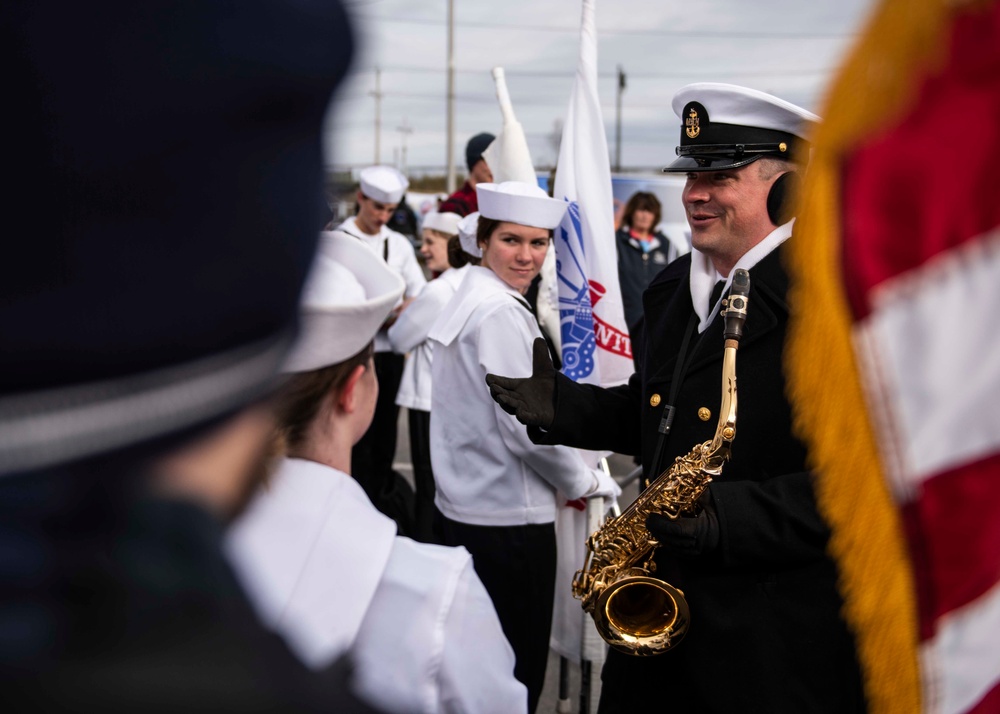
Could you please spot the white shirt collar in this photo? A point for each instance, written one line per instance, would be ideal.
(480, 284)
(704, 275)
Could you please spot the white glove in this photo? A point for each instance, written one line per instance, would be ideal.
(604, 486)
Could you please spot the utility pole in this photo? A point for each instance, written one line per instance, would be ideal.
(450, 130)
(378, 115)
(618, 120)
(404, 129)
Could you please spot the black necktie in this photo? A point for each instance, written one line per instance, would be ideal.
(716, 294)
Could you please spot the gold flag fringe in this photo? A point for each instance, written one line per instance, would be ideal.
(903, 42)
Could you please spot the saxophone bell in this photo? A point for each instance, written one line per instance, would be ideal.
(641, 615)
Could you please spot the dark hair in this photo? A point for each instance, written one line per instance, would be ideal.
(299, 399)
(642, 201)
(457, 257)
(485, 228)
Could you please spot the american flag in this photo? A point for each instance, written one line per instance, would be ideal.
(892, 361)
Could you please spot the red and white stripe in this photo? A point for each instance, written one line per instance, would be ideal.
(928, 353)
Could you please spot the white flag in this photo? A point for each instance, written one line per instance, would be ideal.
(595, 344)
(507, 155)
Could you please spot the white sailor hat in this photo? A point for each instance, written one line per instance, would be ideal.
(726, 126)
(349, 294)
(518, 202)
(446, 222)
(467, 229)
(383, 184)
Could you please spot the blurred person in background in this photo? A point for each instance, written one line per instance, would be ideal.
(404, 221)
(326, 569)
(642, 253)
(174, 150)
(409, 335)
(496, 491)
(380, 191)
(464, 201)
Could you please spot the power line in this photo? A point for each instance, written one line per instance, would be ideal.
(739, 34)
(541, 74)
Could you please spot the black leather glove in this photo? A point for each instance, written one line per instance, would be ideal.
(688, 535)
(530, 399)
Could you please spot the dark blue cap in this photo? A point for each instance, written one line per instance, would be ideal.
(165, 201)
(475, 147)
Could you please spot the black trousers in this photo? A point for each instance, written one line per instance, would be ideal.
(372, 456)
(517, 565)
(426, 526)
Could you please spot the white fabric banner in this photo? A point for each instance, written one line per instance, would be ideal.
(596, 348)
(595, 344)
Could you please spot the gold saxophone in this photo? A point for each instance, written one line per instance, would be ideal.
(634, 612)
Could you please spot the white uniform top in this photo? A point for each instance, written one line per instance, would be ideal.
(409, 334)
(325, 570)
(399, 255)
(486, 469)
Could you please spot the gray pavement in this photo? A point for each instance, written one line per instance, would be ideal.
(550, 701)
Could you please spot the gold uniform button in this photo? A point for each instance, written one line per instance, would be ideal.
(704, 413)
(654, 400)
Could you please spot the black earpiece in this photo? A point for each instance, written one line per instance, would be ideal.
(780, 199)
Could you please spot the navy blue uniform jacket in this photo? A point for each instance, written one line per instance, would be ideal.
(766, 633)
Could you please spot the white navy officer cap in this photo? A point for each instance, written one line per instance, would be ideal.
(518, 202)
(468, 227)
(446, 222)
(349, 294)
(725, 126)
(383, 184)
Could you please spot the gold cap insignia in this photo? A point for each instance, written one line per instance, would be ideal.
(691, 127)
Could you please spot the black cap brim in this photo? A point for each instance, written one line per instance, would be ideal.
(689, 164)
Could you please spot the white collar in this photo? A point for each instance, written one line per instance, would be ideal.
(299, 545)
(704, 276)
(351, 227)
(479, 285)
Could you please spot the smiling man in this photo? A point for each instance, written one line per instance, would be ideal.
(766, 633)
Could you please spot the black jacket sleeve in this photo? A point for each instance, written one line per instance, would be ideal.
(589, 417)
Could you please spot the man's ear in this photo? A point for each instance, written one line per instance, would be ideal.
(347, 399)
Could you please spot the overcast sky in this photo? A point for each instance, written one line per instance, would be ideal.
(786, 47)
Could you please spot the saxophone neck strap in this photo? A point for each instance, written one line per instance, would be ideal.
(667, 416)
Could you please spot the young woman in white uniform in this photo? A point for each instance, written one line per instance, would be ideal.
(322, 566)
(495, 489)
(408, 334)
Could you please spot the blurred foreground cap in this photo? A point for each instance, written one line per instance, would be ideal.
(726, 126)
(517, 202)
(349, 294)
(168, 198)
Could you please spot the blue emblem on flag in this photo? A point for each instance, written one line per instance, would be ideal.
(576, 314)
